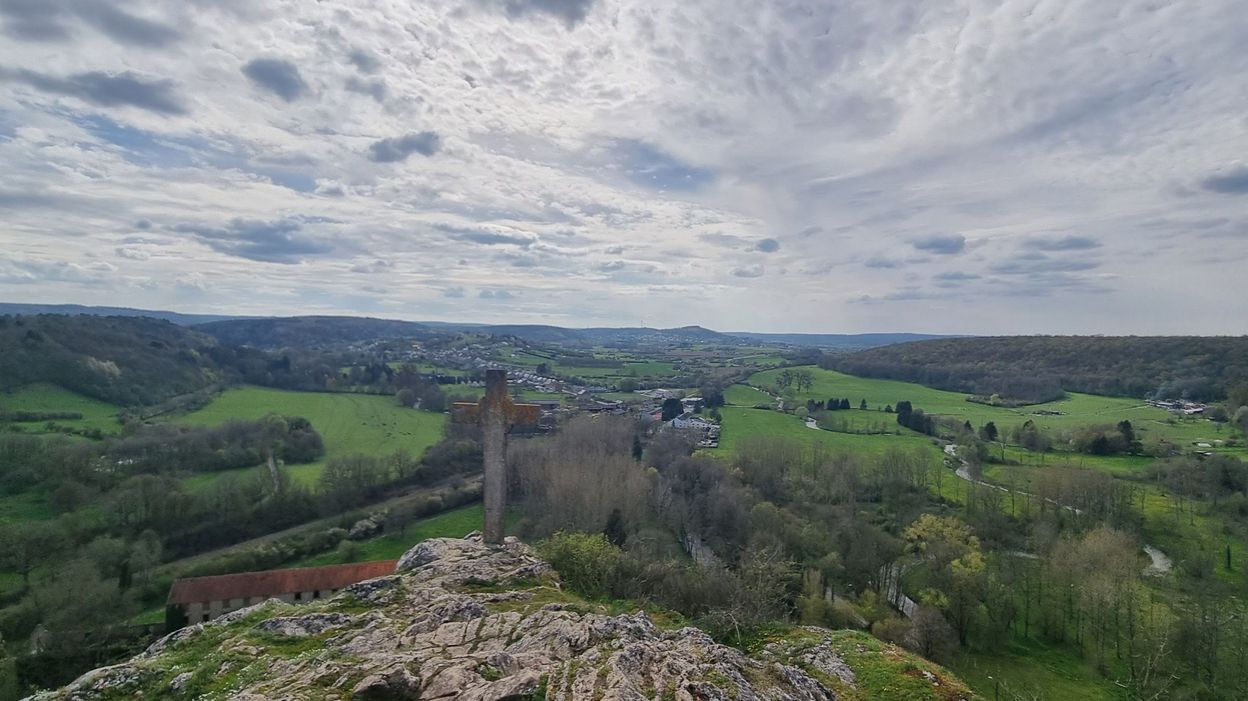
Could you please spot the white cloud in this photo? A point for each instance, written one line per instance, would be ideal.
(531, 145)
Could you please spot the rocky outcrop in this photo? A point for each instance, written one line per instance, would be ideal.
(465, 621)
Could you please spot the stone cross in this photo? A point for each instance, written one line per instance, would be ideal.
(496, 414)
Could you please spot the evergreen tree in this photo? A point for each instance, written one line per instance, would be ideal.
(615, 531)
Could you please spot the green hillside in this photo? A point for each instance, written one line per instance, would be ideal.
(1075, 411)
(43, 397)
(348, 423)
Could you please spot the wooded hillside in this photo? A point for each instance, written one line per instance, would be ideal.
(1039, 368)
(123, 360)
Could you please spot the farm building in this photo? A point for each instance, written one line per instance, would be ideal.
(200, 599)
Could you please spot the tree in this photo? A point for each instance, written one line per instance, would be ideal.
(615, 530)
(1240, 418)
(406, 397)
(931, 635)
(24, 545)
(989, 432)
(672, 408)
(627, 385)
(888, 408)
(863, 405)
(844, 404)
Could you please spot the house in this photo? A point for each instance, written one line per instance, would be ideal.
(688, 420)
(200, 599)
(691, 403)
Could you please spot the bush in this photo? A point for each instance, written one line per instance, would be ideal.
(585, 562)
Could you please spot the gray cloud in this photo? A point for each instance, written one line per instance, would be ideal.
(375, 88)
(366, 61)
(571, 12)
(749, 271)
(1033, 264)
(956, 276)
(767, 246)
(1065, 243)
(486, 237)
(124, 27)
(282, 241)
(426, 143)
(33, 20)
(453, 292)
(45, 20)
(722, 240)
(941, 245)
(105, 89)
(377, 266)
(495, 294)
(882, 263)
(1234, 182)
(278, 76)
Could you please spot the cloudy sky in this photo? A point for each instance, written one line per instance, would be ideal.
(973, 166)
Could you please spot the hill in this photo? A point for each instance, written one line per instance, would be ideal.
(71, 309)
(836, 341)
(126, 361)
(322, 331)
(1040, 368)
(311, 331)
(327, 331)
(460, 620)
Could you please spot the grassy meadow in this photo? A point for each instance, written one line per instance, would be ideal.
(348, 423)
(1077, 410)
(46, 397)
(742, 395)
(740, 424)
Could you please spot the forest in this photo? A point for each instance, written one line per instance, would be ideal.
(1042, 368)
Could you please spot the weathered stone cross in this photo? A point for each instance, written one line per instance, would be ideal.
(495, 413)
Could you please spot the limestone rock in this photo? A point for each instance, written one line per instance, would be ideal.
(466, 621)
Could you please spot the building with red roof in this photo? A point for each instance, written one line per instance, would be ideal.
(200, 599)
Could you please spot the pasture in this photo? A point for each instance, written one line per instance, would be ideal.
(44, 397)
(348, 423)
(742, 395)
(1075, 411)
(741, 424)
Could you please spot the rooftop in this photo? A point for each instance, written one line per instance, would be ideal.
(273, 582)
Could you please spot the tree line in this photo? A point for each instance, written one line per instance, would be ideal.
(1042, 368)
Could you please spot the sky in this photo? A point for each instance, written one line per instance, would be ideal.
(1007, 167)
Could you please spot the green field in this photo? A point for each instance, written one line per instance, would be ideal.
(46, 397)
(741, 395)
(1075, 411)
(1032, 670)
(348, 423)
(740, 423)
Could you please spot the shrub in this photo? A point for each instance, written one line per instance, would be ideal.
(585, 562)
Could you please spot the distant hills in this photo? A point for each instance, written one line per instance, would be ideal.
(837, 340)
(321, 331)
(175, 317)
(123, 360)
(1040, 368)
